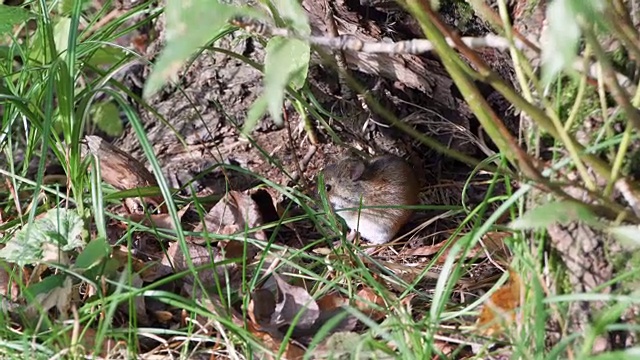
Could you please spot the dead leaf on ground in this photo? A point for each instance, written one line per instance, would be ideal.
(445, 348)
(148, 271)
(292, 301)
(212, 303)
(261, 307)
(343, 345)
(234, 213)
(292, 351)
(498, 312)
(161, 221)
(9, 284)
(58, 297)
(207, 259)
(492, 244)
(87, 339)
(367, 301)
(332, 305)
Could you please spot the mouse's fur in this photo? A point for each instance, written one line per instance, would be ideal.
(356, 185)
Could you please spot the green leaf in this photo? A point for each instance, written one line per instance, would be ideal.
(562, 212)
(563, 34)
(58, 229)
(61, 34)
(257, 110)
(189, 26)
(93, 254)
(628, 235)
(294, 15)
(45, 286)
(560, 47)
(65, 6)
(11, 16)
(286, 62)
(627, 354)
(107, 117)
(106, 55)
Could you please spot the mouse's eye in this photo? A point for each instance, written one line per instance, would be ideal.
(327, 187)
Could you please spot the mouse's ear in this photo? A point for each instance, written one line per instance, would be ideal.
(357, 169)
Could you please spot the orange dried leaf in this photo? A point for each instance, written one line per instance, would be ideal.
(499, 311)
(370, 297)
(292, 351)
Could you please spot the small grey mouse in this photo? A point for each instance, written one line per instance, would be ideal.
(355, 184)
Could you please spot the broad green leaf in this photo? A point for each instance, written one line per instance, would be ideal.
(106, 55)
(11, 16)
(61, 34)
(58, 297)
(46, 285)
(93, 254)
(562, 37)
(628, 235)
(65, 6)
(189, 26)
(107, 117)
(257, 110)
(59, 229)
(562, 212)
(561, 43)
(294, 15)
(286, 63)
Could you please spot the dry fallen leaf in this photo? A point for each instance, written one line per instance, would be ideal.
(261, 307)
(8, 285)
(492, 244)
(163, 317)
(161, 221)
(234, 213)
(366, 299)
(292, 351)
(87, 338)
(207, 259)
(292, 301)
(499, 311)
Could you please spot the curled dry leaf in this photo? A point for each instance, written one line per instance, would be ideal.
(294, 300)
(236, 212)
(122, 171)
(499, 311)
(261, 307)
